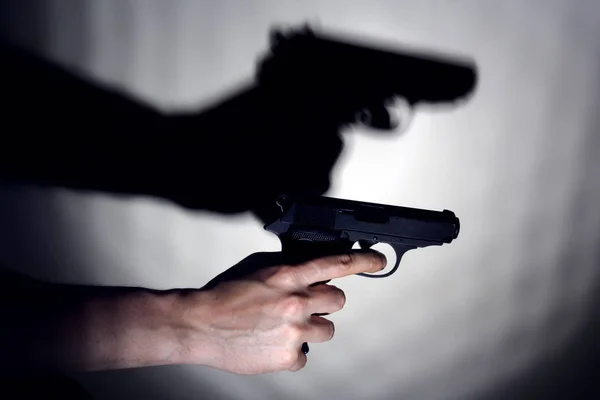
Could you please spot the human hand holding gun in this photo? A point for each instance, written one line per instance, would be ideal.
(317, 235)
(314, 229)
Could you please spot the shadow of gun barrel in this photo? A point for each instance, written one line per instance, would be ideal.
(359, 74)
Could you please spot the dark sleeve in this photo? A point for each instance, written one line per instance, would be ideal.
(59, 129)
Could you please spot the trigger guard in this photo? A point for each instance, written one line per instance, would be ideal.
(394, 269)
(403, 111)
(394, 115)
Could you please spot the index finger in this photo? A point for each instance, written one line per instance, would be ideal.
(338, 266)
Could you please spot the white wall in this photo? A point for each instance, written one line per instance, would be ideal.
(517, 164)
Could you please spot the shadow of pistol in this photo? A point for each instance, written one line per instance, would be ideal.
(352, 81)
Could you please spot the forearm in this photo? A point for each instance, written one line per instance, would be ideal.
(68, 328)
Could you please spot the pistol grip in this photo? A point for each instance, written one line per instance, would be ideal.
(298, 250)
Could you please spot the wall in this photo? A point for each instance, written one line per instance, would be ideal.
(494, 311)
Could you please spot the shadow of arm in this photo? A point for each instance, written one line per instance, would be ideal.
(62, 130)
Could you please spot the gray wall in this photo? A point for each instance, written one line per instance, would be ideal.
(517, 164)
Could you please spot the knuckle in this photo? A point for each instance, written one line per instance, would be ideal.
(345, 261)
(292, 333)
(284, 276)
(292, 305)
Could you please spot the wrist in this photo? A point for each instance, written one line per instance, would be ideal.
(153, 331)
(143, 327)
(190, 327)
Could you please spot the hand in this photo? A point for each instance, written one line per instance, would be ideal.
(257, 322)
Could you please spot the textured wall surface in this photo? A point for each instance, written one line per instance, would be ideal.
(518, 164)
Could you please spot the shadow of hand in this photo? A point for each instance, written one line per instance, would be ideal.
(240, 155)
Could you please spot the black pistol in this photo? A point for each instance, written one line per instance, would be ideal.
(313, 227)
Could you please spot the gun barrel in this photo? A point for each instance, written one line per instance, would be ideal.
(433, 77)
